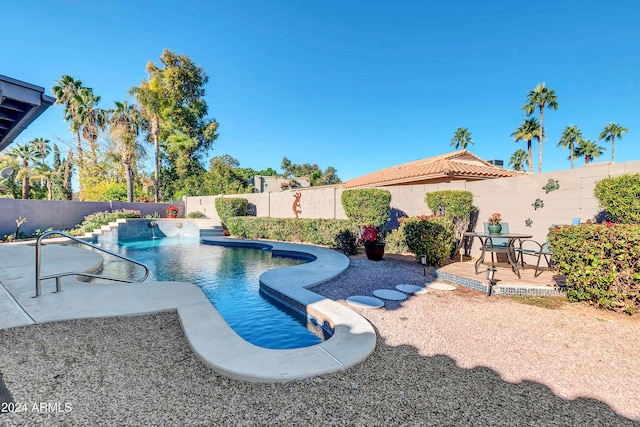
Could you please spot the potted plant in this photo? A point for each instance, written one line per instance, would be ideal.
(172, 212)
(494, 223)
(373, 242)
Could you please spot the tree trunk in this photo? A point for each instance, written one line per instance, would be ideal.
(156, 175)
(80, 165)
(540, 138)
(530, 159)
(613, 147)
(129, 176)
(25, 187)
(571, 152)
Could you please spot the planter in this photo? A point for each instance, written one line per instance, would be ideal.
(374, 251)
(172, 216)
(494, 228)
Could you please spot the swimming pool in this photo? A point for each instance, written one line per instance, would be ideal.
(229, 277)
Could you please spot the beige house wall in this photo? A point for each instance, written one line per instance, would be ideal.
(512, 197)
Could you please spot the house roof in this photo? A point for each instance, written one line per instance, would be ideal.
(20, 104)
(460, 164)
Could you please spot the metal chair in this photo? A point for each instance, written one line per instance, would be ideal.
(532, 248)
(498, 244)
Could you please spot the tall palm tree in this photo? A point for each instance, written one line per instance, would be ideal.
(539, 97)
(461, 138)
(151, 104)
(92, 119)
(517, 159)
(528, 130)
(569, 136)
(610, 133)
(589, 149)
(25, 155)
(125, 128)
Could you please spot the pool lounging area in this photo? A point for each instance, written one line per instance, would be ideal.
(206, 331)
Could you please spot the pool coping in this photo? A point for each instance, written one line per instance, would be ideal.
(209, 336)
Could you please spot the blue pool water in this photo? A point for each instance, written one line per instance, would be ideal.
(229, 277)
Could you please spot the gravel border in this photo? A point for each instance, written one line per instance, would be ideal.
(443, 358)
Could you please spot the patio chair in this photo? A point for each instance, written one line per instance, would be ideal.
(498, 244)
(532, 248)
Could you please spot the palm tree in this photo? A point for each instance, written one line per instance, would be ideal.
(570, 135)
(528, 131)
(589, 149)
(150, 105)
(461, 138)
(610, 133)
(125, 128)
(540, 97)
(25, 155)
(517, 159)
(91, 118)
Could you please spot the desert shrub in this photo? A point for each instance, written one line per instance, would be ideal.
(98, 219)
(367, 206)
(601, 263)
(620, 198)
(456, 205)
(317, 231)
(196, 215)
(431, 236)
(395, 242)
(228, 207)
(346, 242)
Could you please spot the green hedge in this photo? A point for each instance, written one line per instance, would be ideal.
(456, 205)
(367, 206)
(620, 198)
(228, 207)
(309, 230)
(601, 263)
(429, 235)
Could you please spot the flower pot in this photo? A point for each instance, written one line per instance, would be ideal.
(495, 228)
(374, 251)
(172, 216)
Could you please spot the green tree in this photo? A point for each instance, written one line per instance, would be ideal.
(528, 130)
(610, 133)
(517, 159)
(540, 97)
(185, 131)
(151, 104)
(589, 150)
(62, 176)
(569, 136)
(461, 138)
(26, 155)
(125, 127)
(224, 177)
(315, 174)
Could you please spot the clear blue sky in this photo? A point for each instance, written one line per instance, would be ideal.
(358, 85)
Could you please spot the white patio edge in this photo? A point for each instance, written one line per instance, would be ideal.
(208, 334)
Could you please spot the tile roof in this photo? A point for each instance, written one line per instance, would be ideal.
(460, 164)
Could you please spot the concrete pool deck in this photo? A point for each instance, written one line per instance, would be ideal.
(209, 336)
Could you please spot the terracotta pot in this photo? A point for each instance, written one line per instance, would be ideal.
(374, 251)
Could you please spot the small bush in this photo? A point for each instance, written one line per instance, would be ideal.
(310, 230)
(346, 242)
(98, 219)
(367, 206)
(196, 215)
(457, 205)
(228, 207)
(620, 198)
(396, 243)
(601, 264)
(431, 236)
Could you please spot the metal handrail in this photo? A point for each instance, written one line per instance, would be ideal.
(73, 273)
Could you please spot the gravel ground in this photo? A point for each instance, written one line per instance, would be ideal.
(443, 358)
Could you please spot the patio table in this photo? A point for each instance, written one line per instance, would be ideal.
(486, 242)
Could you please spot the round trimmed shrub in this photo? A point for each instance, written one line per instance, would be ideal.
(367, 206)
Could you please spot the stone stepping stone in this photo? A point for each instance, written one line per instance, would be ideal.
(390, 294)
(363, 301)
(442, 286)
(411, 289)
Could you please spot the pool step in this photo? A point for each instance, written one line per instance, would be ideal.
(209, 227)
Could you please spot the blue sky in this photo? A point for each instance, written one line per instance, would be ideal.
(358, 85)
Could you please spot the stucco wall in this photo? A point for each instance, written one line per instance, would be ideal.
(512, 197)
(62, 215)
